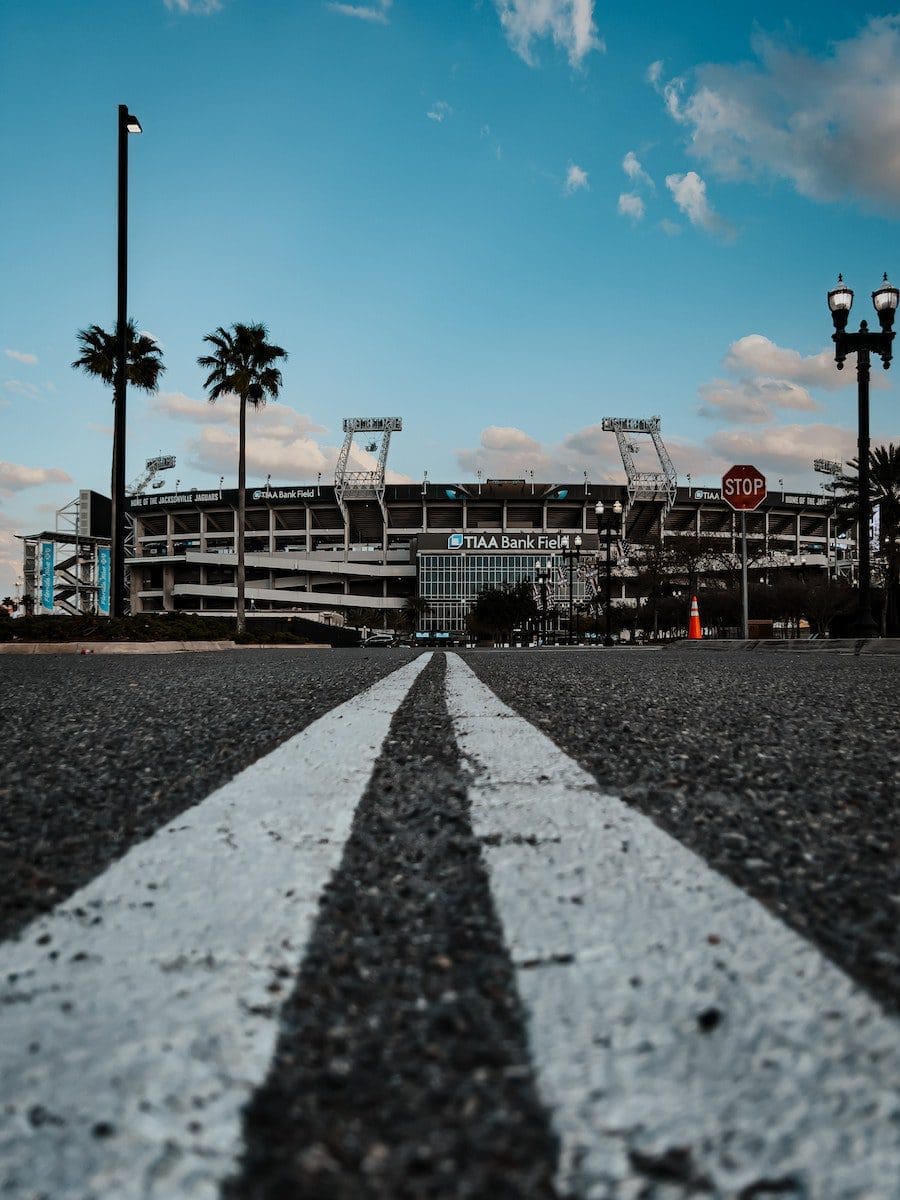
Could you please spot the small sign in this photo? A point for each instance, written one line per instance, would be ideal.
(743, 487)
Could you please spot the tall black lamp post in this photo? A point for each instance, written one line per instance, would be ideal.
(862, 344)
(600, 510)
(573, 557)
(128, 123)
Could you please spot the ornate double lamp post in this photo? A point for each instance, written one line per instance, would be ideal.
(616, 512)
(863, 344)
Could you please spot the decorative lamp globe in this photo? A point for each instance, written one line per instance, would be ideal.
(840, 301)
(885, 300)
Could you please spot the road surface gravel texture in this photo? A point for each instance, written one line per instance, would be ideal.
(403, 1065)
(99, 752)
(782, 771)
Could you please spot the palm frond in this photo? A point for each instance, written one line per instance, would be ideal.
(99, 351)
(241, 364)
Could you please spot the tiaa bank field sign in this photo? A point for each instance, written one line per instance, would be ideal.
(506, 543)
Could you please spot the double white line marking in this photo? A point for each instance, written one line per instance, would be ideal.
(674, 1025)
(152, 1028)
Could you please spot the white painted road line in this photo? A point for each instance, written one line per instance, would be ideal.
(674, 1023)
(126, 1060)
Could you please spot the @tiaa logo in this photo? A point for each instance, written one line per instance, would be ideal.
(455, 541)
(257, 495)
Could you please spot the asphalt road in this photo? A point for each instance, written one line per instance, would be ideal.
(782, 771)
(427, 1038)
(98, 752)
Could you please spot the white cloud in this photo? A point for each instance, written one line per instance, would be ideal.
(487, 132)
(439, 111)
(768, 377)
(374, 13)
(576, 179)
(632, 167)
(631, 205)
(15, 478)
(786, 450)
(289, 455)
(18, 388)
(670, 228)
(569, 23)
(689, 193)
(280, 440)
(828, 125)
(196, 7)
(758, 355)
(505, 452)
(275, 419)
(654, 72)
(185, 408)
(752, 400)
(20, 356)
(10, 556)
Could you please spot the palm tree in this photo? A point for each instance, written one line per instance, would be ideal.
(884, 494)
(143, 367)
(242, 365)
(415, 608)
(98, 356)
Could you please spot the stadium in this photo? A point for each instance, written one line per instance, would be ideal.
(365, 553)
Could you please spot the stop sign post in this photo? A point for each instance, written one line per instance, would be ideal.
(744, 488)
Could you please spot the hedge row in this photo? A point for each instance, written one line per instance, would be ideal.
(169, 627)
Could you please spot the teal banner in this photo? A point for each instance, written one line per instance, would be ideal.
(48, 563)
(103, 553)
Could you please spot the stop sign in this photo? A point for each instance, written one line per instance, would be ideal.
(743, 487)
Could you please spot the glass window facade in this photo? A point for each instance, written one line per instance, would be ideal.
(451, 582)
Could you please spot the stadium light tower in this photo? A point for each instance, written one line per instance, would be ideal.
(862, 344)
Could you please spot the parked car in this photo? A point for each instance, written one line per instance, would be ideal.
(379, 639)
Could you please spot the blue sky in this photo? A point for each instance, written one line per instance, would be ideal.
(501, 220)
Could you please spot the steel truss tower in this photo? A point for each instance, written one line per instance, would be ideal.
(364, 485)
(658, 485)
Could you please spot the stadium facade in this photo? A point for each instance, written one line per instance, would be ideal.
(322, 552)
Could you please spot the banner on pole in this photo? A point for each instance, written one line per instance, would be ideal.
(48, 565)
(103, 576)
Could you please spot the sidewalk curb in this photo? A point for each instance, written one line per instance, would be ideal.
(143, 647)
(854, 646)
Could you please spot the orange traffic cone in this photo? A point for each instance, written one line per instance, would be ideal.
(695, 633)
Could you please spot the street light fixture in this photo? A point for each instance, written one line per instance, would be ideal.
(862, 344)
(572, 556)
(600, 509)
(128, 123)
